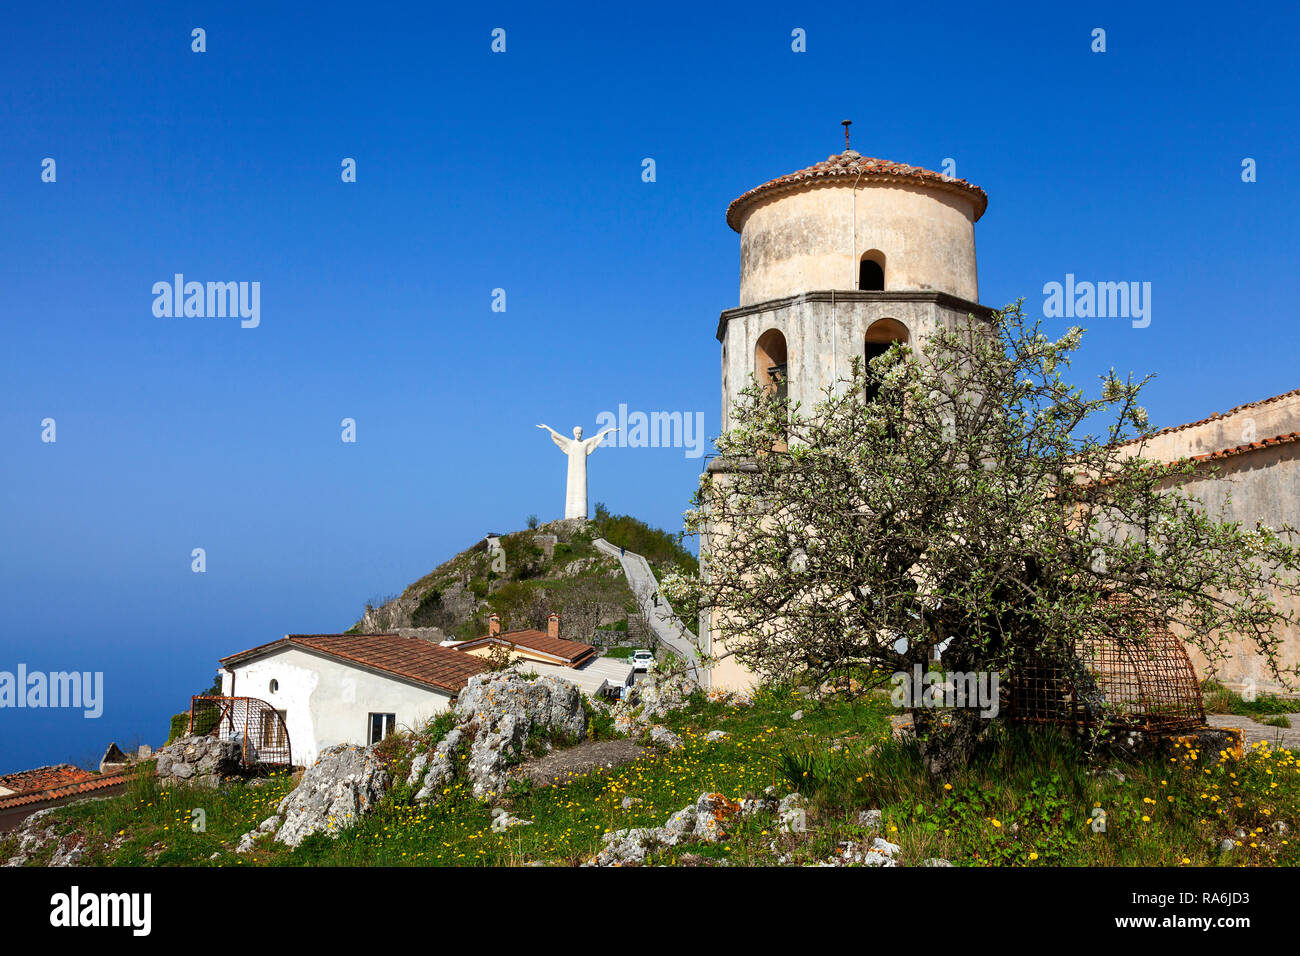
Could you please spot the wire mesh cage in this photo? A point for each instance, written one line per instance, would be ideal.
(1136, 678)
(254, 724)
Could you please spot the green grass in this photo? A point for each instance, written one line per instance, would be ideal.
(1027, 798)
(151, 825)
(1223, 700)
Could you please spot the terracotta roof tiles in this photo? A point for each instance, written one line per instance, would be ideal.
(68, 789)
(1286, 439)
(411, 658)
(851, 164)
(569, 652)
(43, 778)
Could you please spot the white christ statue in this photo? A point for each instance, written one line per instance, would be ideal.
(575, 490)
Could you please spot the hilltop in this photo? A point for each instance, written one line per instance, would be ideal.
(523, 576)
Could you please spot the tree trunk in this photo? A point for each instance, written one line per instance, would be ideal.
(947, 738)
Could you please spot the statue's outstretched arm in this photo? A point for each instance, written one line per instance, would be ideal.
(556, 437)
(596, 439)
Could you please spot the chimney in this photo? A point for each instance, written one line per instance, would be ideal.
(494, 625)
(553, 625)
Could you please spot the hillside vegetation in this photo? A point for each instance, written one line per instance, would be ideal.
(531, 578)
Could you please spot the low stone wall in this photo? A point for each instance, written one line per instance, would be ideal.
(199, 761)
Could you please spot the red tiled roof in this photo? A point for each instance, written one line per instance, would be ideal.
(1286, 439)
(43, 778)
(96, 782)
(852, 165)
(411, 658)
(569, 652)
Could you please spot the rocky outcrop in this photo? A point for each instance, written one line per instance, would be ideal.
(701, 822)
(878, 852)
(345, 782)
(661, 736)
(433, 772)
(35, 834)
(198, 761)
(39, 833)
(502, 821)
(264, 829)
(652, 700)
(792, 814)
(497, 716)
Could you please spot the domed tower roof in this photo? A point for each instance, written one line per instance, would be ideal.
(851, 165)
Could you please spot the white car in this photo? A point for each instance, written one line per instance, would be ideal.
(642, 660)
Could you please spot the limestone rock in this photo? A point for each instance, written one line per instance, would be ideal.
(497, 714)
(792, 814)
(652, 700)
(198, 760)
(871, 819)
(34, 835)
(661, 736)
(703, 821)
(767, 803)
(345, 782)
(502, 821)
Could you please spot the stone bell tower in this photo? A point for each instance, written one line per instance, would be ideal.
(837, 261)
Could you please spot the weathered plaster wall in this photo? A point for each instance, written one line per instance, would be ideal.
(1240, 426)
(806, 240)
(1264, 486)
(824, 332)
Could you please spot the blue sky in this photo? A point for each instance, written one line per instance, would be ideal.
(522, 171)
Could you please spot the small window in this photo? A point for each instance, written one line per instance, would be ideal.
(275, 685)
(871, 273)
(381, 725)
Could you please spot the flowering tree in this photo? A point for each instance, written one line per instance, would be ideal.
(964, 496)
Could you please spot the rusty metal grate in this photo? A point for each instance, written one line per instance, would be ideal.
(257, 726)
(1138, 677)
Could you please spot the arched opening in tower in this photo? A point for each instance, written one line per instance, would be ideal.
(880, 336)
(871, 272)
(771, 368)
(770, 365)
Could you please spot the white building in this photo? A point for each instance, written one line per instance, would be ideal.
(348, 688)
